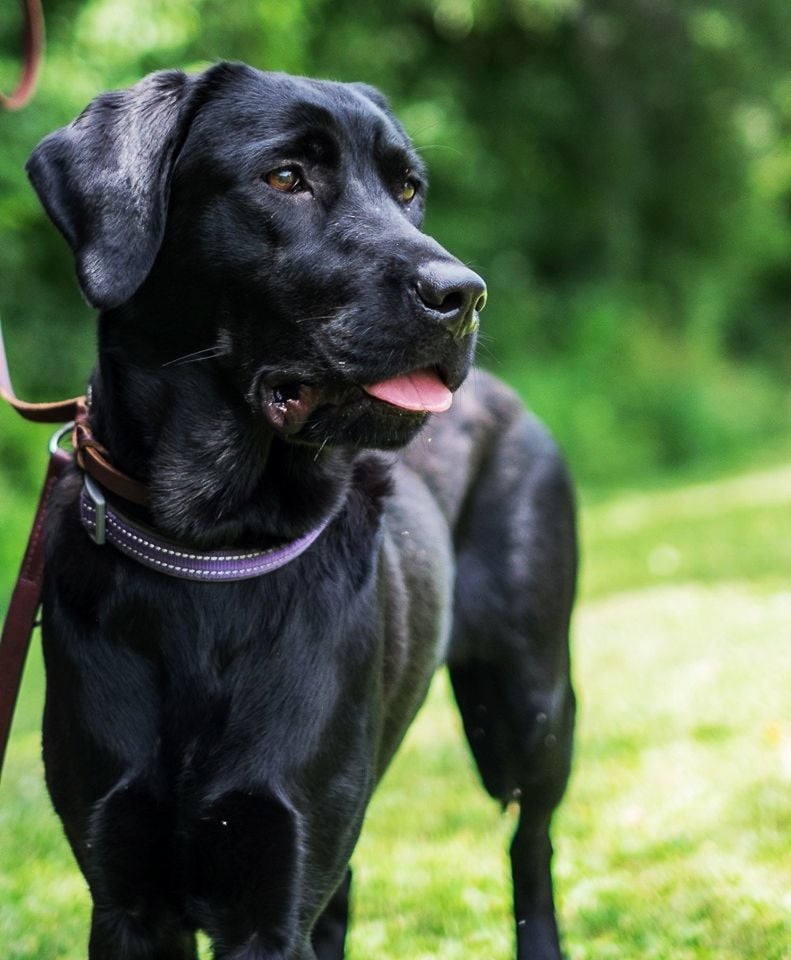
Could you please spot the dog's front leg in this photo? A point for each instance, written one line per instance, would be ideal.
(128, 867)
(243, 870)
(105, 776)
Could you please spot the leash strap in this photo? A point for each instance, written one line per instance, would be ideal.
(26, 596)
(58, 412)
(34, 49)
(21, 615)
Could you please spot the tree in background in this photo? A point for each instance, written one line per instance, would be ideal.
(619, 170)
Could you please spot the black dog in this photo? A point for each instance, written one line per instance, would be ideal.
(271, 315)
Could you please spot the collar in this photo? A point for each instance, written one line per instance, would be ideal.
(105, 524)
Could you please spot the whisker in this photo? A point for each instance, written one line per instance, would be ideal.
(491, 354)
(439, 146)
(471, 264)
(206, 354)
(418, 132)
(184, 362)
(323, 445)
(210, 356)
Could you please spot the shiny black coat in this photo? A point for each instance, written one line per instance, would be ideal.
(253, 244)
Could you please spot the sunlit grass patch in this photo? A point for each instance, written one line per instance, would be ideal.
(678, 818)
(735, 529)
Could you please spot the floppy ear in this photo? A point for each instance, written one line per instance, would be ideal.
(104, 180)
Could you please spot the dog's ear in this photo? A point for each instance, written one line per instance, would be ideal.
(105, 179)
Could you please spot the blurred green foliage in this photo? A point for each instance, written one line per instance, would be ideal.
(619, 170)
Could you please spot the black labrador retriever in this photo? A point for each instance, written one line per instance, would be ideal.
(278, 346)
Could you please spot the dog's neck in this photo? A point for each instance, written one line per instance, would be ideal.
(217, 474)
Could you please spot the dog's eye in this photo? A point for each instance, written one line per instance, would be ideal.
(284, 179)
(408, 190)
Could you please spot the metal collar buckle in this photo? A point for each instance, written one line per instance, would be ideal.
(99, 527)
(92, 490)
(58, 435)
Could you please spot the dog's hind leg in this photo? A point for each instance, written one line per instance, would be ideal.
(523, 756)
(509, 661)
(329, 934)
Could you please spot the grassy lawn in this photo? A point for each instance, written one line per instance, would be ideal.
(674, 840)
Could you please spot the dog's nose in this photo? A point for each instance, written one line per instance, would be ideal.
(452, 293)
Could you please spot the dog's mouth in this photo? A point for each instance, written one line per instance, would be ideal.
(288, 406)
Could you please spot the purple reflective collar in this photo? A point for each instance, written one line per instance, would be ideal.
(104, 524)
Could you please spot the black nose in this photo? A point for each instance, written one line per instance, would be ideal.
(453, 294)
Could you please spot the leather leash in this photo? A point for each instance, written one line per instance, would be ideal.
(26, 595)
(34, 49)
(25, 599)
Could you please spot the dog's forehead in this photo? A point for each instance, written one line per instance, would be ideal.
(272, 104)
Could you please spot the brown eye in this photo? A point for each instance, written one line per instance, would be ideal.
(408, 190)
(284, 179)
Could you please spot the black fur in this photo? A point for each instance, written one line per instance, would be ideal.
(212, 748)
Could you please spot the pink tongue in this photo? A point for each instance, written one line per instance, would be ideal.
(421, 390)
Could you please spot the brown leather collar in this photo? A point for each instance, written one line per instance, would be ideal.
(93, 458)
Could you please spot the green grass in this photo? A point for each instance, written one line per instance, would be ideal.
(673, 840)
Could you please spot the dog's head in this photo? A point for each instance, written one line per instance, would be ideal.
(271, 224)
